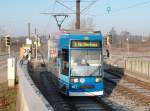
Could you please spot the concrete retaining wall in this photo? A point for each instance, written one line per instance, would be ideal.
(139, 69)
(29, 97)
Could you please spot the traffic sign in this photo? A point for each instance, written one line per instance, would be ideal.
(27, 49)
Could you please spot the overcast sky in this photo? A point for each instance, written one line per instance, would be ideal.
(130, 15)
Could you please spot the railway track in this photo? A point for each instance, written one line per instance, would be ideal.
(133, 88)
(59, 102)
(63, 103)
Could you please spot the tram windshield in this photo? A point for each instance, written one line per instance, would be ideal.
(85, 62)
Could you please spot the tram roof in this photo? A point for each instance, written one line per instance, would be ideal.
(65, 38)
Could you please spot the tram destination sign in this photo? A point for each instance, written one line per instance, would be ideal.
(85, 44)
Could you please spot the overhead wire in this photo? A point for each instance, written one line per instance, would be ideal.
(64, 5)
(83, 10)
(87, 7)
(75, 1)
(53, 9)
(132, 6)
(61, 2)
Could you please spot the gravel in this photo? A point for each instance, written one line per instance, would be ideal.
(126, 101)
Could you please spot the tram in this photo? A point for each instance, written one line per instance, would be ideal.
(79, 64)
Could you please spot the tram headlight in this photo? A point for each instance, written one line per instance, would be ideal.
(82, 80)
(74, 80)
(98, 79)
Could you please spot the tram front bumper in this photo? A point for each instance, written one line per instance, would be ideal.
(96, 93)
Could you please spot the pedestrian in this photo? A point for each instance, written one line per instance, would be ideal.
(108, 54)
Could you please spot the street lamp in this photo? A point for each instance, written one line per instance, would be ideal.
(36, 44)
(17, 46)
(128, 45)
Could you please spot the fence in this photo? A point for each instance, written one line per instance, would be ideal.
(137, 68)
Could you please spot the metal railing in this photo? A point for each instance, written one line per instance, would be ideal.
(138, 68)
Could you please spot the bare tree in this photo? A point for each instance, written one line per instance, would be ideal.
(115, 38)
(124, 35)
(2, 31)
(2, 41)
(86, 24)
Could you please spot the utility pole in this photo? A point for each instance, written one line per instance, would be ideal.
(29, 30)
(35, 31)
(128, 45)
(36, 37)
(77, 14)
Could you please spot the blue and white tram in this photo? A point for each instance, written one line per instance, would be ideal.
(80, 64)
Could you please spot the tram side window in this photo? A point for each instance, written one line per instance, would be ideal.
(65, 62)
